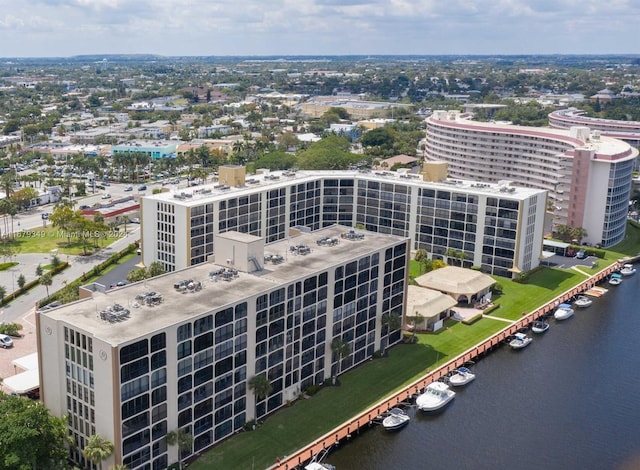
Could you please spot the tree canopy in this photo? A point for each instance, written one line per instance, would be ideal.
(330, 153)
(31, 438)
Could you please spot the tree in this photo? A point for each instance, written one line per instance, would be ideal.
(31, 438)
(63, 217)
(137, 274)
(97, 449)
(391, 321)
(261, 388)
(415, 319)
(578, 233)
(155, 269)
(340, 349)
(39, 270)
(46, 280)
(183, 440)
(21, 281)
(3, 293)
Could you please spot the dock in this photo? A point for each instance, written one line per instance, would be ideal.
(322, 445)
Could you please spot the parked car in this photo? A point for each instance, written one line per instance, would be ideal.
(135, 220)
(581, 254)
(83, 207)
(129, 188)
(142, 188)
(106, 196)
(106, 183)
(5, 341)
(121, 283)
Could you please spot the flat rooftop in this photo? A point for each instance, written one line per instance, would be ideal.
(216, 293)
(195, 196)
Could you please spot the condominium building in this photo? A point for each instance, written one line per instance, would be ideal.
(629, 131)
(496, 227)
(588, 176)
(178, 351)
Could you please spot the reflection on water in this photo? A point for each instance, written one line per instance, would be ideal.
(570, 400)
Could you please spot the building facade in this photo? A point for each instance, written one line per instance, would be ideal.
(497, 227)
(629, 131)
(588, 176)
(178, 351)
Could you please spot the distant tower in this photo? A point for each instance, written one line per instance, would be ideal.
(104, 64)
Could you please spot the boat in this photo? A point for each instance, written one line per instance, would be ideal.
(462, 376)
(563, 312)
(435, 396)
(628, 270)
(539, 326)
(615, 279)
(519, 341)
(583, 301)
(396, 419)
(319, 466)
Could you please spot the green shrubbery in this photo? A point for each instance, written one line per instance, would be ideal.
(11, 329)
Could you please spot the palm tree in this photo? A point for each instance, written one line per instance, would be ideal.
(415, 319)
(183, 440)
(340, 349)
(97, 449)
(46, 280)
(261, 388)
(391, 321)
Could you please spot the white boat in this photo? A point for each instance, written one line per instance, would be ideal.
(461, 377)
(519, 341)
(396, 419)
(435, 396)
(583, 302)
(539, 326)
(628, 270)
(319, 466)
(615, 279)
(563, 312)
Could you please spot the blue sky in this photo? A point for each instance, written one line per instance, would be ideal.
(48, 28)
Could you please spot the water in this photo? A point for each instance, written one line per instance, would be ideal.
(570, 400)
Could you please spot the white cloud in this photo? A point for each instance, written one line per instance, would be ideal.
(225, 27)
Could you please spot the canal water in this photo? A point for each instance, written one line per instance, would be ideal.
(570, 400)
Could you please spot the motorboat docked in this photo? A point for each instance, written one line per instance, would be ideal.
(519, 341)
(435, 396)
(583, 301)
(396, 419)
(628, 270)
(462, 376)
(615, 279)
(539, 326)
(563, 312)
(319, 466)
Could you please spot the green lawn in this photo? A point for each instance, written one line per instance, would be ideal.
(43, 240)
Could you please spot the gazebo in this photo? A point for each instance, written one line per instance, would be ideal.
(466, 286)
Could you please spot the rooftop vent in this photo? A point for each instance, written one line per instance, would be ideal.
(327, 241)
(114, 313)
(300, 249)
(353, 235)
(275, 259)
(149, 298)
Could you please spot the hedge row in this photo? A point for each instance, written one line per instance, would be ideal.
(33, 283)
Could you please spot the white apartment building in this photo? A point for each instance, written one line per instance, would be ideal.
(498, 227)
(177, 351)
(588, 176)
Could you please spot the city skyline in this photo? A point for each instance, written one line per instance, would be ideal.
(60, 28)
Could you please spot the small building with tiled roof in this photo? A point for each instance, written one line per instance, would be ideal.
(464, 285)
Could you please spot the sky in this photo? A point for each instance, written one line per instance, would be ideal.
(62, 28)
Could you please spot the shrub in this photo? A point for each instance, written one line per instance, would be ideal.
(473, 319)
(312, 389)
(11, 329)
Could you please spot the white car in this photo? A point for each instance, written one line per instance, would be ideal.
(5, 341)
(106, 196)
